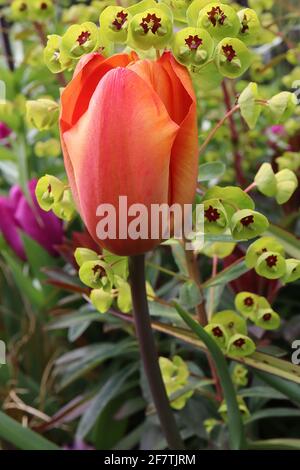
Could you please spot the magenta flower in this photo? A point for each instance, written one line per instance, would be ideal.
(4, 131)
(17, 216)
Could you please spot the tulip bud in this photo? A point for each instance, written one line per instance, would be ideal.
(42, 113)
(49, 148)
(192, 46)
(240, 345)
(233, 322)
(265, 180)
(80, 39)
(114, 21)
(282, 106)
(151, 28)
(218, 332)
(271, 265)
(239, 375)
(92, 272)
(82, 255)
(215, 217)
(219, 20)
(49, 190)
(246, 224)
(65, 207)
(260, 246)
(287, 183)
(247, 304)
(56, 59)
(267, 319)
(292, 270)
(249, 26)
(101, 299)
(233, 58)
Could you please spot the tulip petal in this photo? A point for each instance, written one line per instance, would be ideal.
(122, 151)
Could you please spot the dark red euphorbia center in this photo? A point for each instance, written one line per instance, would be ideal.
(212, 214)
(271, 261)
(239, 343)
(229, 52)
(120, 19)
(83, 37)
(248, 301)
(216, 16)
(193, 42)
(151, 23)
(247, 220)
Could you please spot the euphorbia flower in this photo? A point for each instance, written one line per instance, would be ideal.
(128, 128)
(17, 216)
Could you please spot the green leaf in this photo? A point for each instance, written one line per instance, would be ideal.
(111, 389)
(275, 444)
(273, 413)
(23, 438)
(189, 294)
(290, 243)
(235, 423)
(289, 389)
(229, 274)
(74, 318)
(208, 171)
(37, 257)
(6, 154)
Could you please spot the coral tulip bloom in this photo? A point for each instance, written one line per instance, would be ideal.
(128, 128)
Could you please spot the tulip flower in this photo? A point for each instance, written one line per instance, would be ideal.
(17, 216)
(128, 128)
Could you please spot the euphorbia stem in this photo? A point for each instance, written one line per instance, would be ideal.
(148, 352)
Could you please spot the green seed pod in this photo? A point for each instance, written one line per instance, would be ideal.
(192, 46)
(55, 59)
(41, 10)
(20, 10)
(124, 300)
(233, 322)
(49, 148)
(219, 20)
(65, 208)
(260, 246)
(239, 375)
(287, 183)
(292, 270)
(247, 304)
(82, 255)
(92, 272)
(49, 190)
(233, 58)
(240, 345)
(223, 409)
(114, 21)
(265, 180)
(271, 265)
(267, 319)
(249, 26)
(42, 113)
(282, 106)
(246, 224)
(151, 28)
(80, 39)
(215, 218)
(101, 299)
(219, 333)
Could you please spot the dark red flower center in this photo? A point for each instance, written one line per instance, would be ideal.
(267, 316)
(248, 301)
(212, 214)
(98, 270)
(216, 16)
(249, 219)
(217, 332)
(229, 52)
(23, 7)
(120, 19)
(239, 343)
(193, 42)
(245, 25)
(49, 188)
(150, 23)
(83, 37)
(44, 6)
(271, 261)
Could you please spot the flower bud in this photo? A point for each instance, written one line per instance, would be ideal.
(223, 409)
(151, 28)
(215, 217)
(42, 113)
(249, 26)
(265, 180)
(233, 58)
(49, 148)
(239, 375)
(292, 270)
(82, 255)
(260, 246)
(287, 183)
(175, 375)
(240, 345)
(101, 299)
(247, 304)
(114, 21)
(65, 207)
(49, 190)
(246, 224)
(282, 106)
(271, 265)
(219, 20)
(80, 39)
(56, 59)
(192, 46)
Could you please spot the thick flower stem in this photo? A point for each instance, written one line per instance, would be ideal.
(149, 354)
